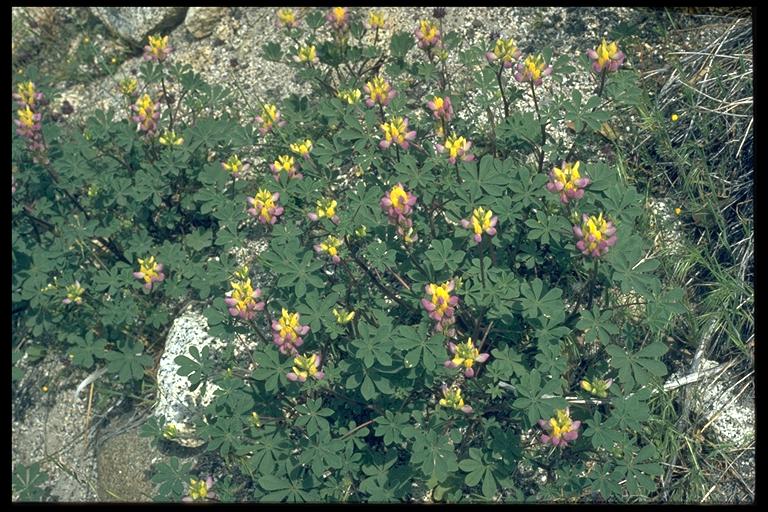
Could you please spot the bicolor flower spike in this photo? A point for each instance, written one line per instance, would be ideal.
(606, 57)
(26, 95)
(302, 148)
(305, 367)
(375, 20)
(595, 235)
(286, 18)
(147, 112)
(378, 91)
(307, 54)
(396, 130)
(242, 299)
(287, 164)
(150, 271)
(326, 207)
(597, 387)
(264, 206)
(330, 247)
(567, 181)
(337, 17)
(287, 332)
(483, 221)
(427, 35)
(234, 165)
(158, 49)
(441, 108)
(74, 294)
(441, 304)
(505, 52)
(456, 147)
(560, 430)
(343, 317)
(28, 123)
(398, 204)
(465, 355)
(452, 399)
(199, 490)
(269, 117)
(532, 69)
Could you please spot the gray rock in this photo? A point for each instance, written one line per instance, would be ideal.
(176, 404)
(201, 21)
(134, 24)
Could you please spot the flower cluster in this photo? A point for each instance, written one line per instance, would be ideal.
(74, 294)
(452, 398)
(326, 207)
(306, 366)
(396, 130)
(242, 299)
(330, 247)
(441, 304)
(441, 108)
(147, 112)
(169, 138)
(158, 49)
(128, 86)
(343, 317)
(427, 35)
(595, 235)
(351, 96)
(483, 221)
(302, 148)
(234, 165)
(398, 205)
(505, 52)
(606, 57)
(287, 164)
(150, 272)
(378, 91)
(375, 20)
(466, 355)
(264, 206)
(567, 181)
(560, 430)
(287, 332)
(338, 18)
(269, 117)
(28, 122)
(532, 69)
(286, 18)
(199, 490)
(457, 147)
(597, 387)
(307, 54)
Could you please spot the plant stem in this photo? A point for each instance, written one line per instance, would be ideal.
(592, 283)
(501, 89)
(543, 128)
(167, 100)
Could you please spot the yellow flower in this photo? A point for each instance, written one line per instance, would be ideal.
(26, 117)
(114, 60)
(466, 353)
(233, 164)
(74, 294)
(325, 208)
(378, 91)
(27, 94)
(343, 317)
(198, 490)
(149, 268)
(169, 138)
(481, 220)
(128, 86)
(304, 366)
(330, 247)
(158, 48)
(396, 130)
(375, 20)
(306, 54)
(675, 117)
(170, 431)
(351, 96)
(452, 398)
(678, 211)
(287, 17)
(86, 40)
(561, 424)
(302, 148)
(289, 324)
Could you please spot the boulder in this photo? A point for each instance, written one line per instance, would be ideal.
(134, 24)
(200, 21)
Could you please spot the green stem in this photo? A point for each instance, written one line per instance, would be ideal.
(543, 128)
(592, 283)
(501, 89)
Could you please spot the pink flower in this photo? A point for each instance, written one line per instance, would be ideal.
(595, 235)
(396, 130)
(466, 355)
(378, 91)
(242, 300)
(306, 366)
(264, 206)
(532, 69)
(456, 147)
(150, 272)
(199, 490)
(441, 305)
(147, 112)
(287, 332)
(567, 181)
(482, 221)
(606, 56)
(441, 108)
(560, 430)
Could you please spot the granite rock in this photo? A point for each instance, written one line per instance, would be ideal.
(201, 21)
(134, 24)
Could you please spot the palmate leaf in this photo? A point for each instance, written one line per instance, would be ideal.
(531, 393)
(270, 369)
(638, 471)
(293, 488)
(128, 362)
(322, 453)
(172, 478)
(435, 457)
(390, 427)
(638, 367)
(597, 326)
(601, 434)
(314, 309)
(420, 347)
(481, 468)
(312, 417)
(635, 277)
(371, 382)
(271, 445)
(535, 302)
(442, 255)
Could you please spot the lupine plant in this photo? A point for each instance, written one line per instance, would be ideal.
(444, 323)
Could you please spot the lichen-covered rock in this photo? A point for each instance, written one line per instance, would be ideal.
(176, 404)
(134, 24)
(201, 21)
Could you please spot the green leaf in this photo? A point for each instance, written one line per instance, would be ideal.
(400, 43)
(435, 457)
(639, 367)
(597, 326)
(128, 362)
(442, 255)
(390, 427)
(535, 302)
